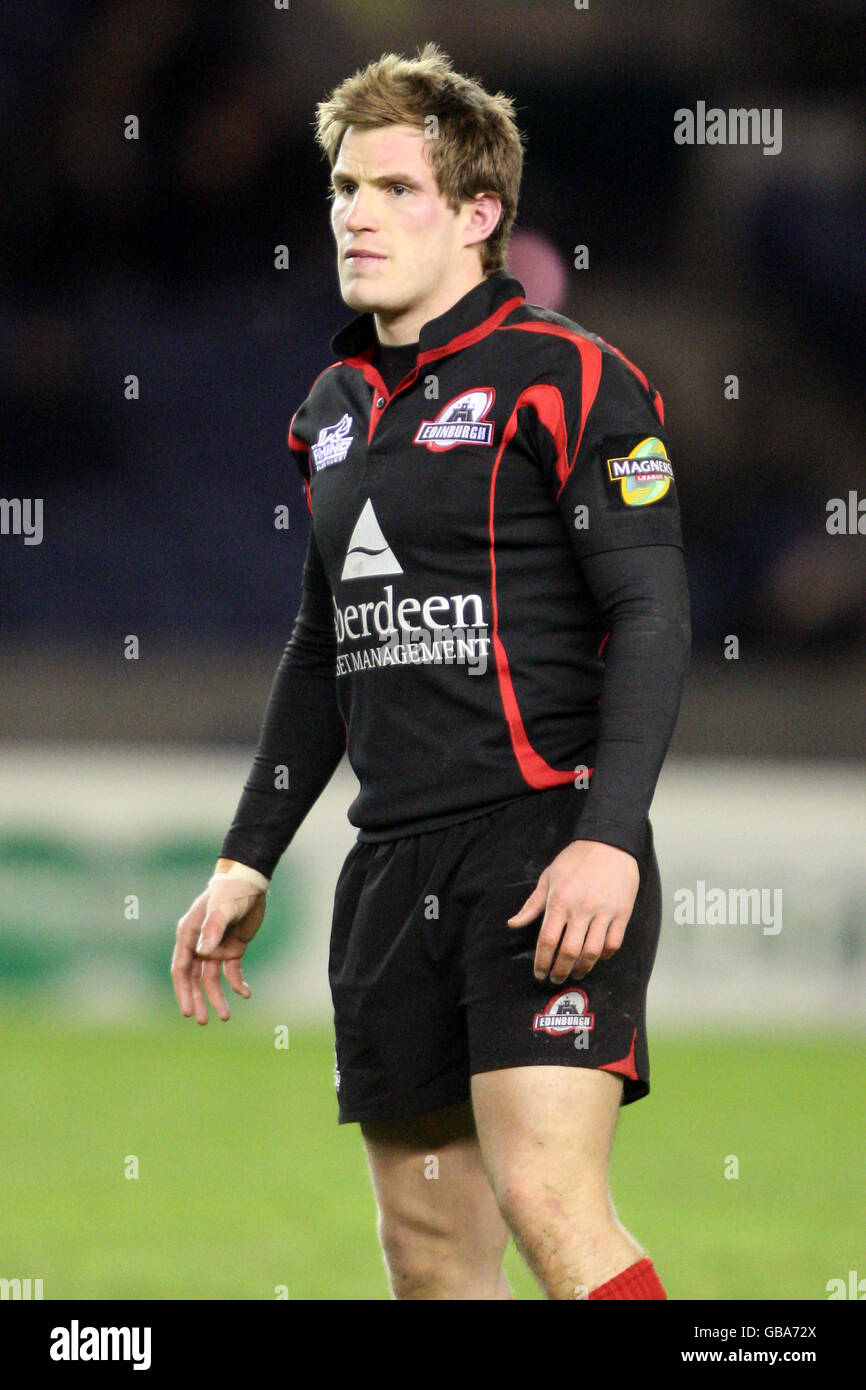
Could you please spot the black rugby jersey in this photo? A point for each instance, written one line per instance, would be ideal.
(463, 524)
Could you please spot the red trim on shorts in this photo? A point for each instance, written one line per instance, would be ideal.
(625, 1066)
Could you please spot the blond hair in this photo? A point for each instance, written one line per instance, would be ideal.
(478, 148)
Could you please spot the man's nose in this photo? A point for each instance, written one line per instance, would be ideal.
(362, 213)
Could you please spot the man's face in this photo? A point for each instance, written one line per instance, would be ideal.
(386, 202)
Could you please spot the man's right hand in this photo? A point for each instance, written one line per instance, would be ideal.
(211, 938)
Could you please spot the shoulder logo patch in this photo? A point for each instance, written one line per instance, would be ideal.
(644, 476)
(333, 443)
(462, 421)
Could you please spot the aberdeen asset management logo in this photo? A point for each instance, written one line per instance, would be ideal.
(430, 629)
(566, 1012)
(368, 553)
(461, 421)
(333, 443)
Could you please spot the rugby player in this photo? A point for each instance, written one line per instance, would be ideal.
(495, 627)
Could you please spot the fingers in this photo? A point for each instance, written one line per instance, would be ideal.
(550, 933)
(588, 950)
(195, 977)
(213, 929)
(199, 952)
(234, 974)
(183, 957)
(199, 1007)
(181, 962)
(615, 937)
(186, 973)
(534, 904)
(210, 978)
(572, 947)
(559, 950)
(186, 977)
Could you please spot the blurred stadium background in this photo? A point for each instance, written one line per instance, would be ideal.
(155, 258)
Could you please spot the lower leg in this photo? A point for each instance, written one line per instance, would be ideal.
(572, 1241)
(545, 1134)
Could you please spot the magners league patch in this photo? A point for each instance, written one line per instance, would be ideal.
(644, 476)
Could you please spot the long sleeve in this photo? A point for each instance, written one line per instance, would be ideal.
(642, 592)
(303, 734)
(600, 440)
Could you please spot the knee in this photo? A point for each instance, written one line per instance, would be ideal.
(414, 1255)
(431, 1257)
(534, 1209)
(523, 1202)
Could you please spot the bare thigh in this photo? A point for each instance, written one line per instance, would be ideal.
(439, 1224)
(546, 1133)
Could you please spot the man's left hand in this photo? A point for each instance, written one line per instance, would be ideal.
(587, 894)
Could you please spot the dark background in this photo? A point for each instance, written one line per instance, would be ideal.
(155, 256)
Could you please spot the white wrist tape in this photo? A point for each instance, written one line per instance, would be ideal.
(242, 871)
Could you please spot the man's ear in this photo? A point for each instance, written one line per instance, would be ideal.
(491, 206)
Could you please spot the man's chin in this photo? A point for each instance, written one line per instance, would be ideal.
(364, 299)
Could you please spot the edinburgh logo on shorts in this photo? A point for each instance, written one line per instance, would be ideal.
(333, 443)
(461, 421)
(566, 1012)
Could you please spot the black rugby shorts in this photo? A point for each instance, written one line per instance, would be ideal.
(430, 985)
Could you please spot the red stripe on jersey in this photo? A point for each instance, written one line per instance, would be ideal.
(373, 378)
(581, 343)
(658, 403)
(363, 360)
(298, 446)
(546, 401)
(473, 335)
(535, 770)
(637, 371)
(590, 379)
(625, 1066)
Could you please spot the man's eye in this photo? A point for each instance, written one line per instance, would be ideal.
(347, 187)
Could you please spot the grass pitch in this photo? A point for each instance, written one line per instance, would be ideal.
(247, 1186)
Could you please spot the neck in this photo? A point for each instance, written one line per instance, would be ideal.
(404, 327)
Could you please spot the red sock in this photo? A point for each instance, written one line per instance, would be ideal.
(638, 1281)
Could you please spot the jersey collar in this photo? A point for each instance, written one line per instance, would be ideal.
(471, 318)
